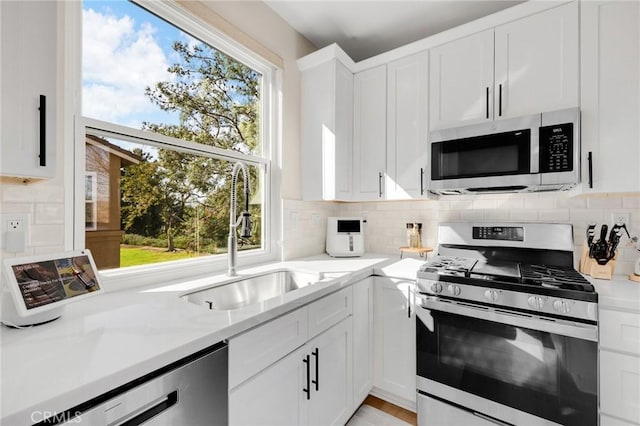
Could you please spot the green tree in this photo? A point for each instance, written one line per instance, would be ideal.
(217, 99)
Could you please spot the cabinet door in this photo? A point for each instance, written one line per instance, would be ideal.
(362, 340)
(461, 81)
(610, 100)
(29, 58)
(331, 376)
(407, 92)
(370, 133)
(327, 123)
(536, 63)
(395, 337)
(273, 396)
(619, 385)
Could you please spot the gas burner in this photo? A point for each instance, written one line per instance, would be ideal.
(448, 265)
(554, 277)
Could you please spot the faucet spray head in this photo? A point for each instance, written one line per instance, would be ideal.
(245, 232)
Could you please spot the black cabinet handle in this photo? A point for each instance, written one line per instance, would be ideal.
(487, 102)
(421, 181)
(500, 100)
(380, 184)
(307, 390)
(43, 130)
(170, 400)
(408, 302)
(590, 165)
(316, 354)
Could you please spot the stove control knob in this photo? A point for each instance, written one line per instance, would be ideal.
(453, 289)
(536, 302)
(436, 288)
(491, 295)
(562, 306)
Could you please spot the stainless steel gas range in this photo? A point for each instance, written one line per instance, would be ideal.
(506, 329)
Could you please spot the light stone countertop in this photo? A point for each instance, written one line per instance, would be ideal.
(103, 342)
(619, 293)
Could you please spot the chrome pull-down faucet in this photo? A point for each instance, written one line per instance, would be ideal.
(245, 218)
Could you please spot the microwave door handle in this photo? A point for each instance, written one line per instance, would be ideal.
(487, 101)
(564, 328)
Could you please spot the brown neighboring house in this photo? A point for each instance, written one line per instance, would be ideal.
(104, 162)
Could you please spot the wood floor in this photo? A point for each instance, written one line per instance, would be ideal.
(392, 409)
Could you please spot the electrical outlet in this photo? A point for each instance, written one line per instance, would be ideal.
(14, 225)
(14, 228)
(13, 222)
(620, 218)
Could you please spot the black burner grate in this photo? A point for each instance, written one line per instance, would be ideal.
(560, 277)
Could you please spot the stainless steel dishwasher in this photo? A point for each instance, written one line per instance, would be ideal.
(190, 392)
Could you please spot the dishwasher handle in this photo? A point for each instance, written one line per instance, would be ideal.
(169, 401)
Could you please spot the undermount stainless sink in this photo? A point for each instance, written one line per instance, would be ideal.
(253, 289)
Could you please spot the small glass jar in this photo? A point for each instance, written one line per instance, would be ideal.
(414, 237)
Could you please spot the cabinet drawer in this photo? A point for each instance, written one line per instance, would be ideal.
(329, 311)
(620, 331)
(620, 385)
(256, 349)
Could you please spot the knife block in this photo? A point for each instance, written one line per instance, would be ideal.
(589, 266)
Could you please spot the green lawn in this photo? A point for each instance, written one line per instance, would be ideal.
(132, 255)
(139, 255)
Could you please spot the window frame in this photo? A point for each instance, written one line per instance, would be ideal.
(270, 128)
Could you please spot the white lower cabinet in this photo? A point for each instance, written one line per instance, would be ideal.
(362, 340)
(273, 396)
(395, 340)
(619, 367)
(310, 384)
(330, 398)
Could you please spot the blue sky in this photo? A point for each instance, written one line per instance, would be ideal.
(125, 49)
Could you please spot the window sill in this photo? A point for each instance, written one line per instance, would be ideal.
(146, 275)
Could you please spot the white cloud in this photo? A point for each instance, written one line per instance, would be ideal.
(119, 61)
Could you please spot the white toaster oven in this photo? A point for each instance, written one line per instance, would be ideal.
(345, 236)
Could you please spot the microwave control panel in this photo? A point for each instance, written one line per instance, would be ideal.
(556, 148)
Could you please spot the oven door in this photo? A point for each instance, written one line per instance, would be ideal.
(513, 367)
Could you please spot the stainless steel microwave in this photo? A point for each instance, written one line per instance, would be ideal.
(533, 153)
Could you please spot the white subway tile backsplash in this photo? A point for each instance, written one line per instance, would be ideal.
(523, 215)
(49, 214)
(46, 235)
(553, 215)
(535, 202)
(631, 202)
(604, 202)
(484, 204)
(472, 215)
(496, 215)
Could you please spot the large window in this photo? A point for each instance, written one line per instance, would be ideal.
(166, 116)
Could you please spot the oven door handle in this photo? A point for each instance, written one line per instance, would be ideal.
(549, 325)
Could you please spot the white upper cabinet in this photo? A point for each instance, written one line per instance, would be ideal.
(536, 63)
(461, 81)
(370, 134)
(527, 66)
(327, 124)
(610, 95)
(407, 126)
(28, 88)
